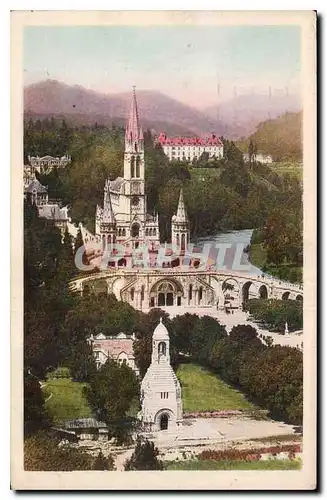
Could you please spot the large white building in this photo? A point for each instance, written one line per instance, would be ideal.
(161, 397)
(259, 157)
(45, 164)
(190, 148)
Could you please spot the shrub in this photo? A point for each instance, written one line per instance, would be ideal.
(60, 372)
(145, 457)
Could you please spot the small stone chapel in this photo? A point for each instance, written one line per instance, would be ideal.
(161, 398)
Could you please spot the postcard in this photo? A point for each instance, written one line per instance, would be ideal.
(163, 207)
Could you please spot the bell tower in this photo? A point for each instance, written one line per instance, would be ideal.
(134, 162)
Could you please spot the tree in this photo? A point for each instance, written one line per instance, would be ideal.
(111, 391)
(103, 463)
(145, 457)
(251, 152)
(81, 362)
(35, 415)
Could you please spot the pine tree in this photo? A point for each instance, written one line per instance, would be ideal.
(144, 457)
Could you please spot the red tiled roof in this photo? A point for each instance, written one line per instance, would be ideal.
(212, 140)
(115, 346)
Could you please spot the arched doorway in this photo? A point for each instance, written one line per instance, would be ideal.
(286, 296)
(263, 292)
(122, 262)
(299, 297)
(164, 422)
(165, 294)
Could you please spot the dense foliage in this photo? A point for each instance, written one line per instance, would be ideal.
(44, 452)
(273, 313)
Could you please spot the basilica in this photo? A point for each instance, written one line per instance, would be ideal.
(124, 220)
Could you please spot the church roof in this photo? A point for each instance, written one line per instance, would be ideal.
(36, 185)
(181, 212)
(116, 184)
(212, 140)
(160, 332)
(53, 212)
(115, 346)
(134, 131)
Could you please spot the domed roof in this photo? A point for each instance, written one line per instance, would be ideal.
(160, 332)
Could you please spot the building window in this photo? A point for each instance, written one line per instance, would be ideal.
(132, 294)
(138, 161)
(164, 395)
(132, 166)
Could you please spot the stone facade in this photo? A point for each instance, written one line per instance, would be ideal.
(161, 398)
(186, 287)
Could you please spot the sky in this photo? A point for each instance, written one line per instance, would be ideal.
(198, 65)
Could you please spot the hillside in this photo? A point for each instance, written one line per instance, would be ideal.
(243, 113)
(281, 137)
(84, 107)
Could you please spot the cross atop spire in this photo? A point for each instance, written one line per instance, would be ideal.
(134, 132)
(108, 214)
(181, 212)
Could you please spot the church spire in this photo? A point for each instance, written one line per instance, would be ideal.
(134, 132)
(108, 214)
(181, 212)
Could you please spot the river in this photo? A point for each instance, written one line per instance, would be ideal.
(238, 241)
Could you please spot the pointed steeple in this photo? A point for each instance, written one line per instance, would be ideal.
(134, 131)
(108, 214)
(181, 212)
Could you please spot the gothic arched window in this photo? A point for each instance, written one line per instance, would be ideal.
(142, 292)
(190, 292)
(132, 166)
(200, 293)
(103, 242)
(177, 239)
(109, 239)
(138, 161)
(132, 294)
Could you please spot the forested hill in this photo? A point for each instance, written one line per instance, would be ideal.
(280, 137)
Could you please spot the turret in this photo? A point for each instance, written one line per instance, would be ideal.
(180, 236)
(108, 221)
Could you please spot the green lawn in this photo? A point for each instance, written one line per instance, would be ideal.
(203, 391)
(233, 465)
(67, 401)
(293, 169)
